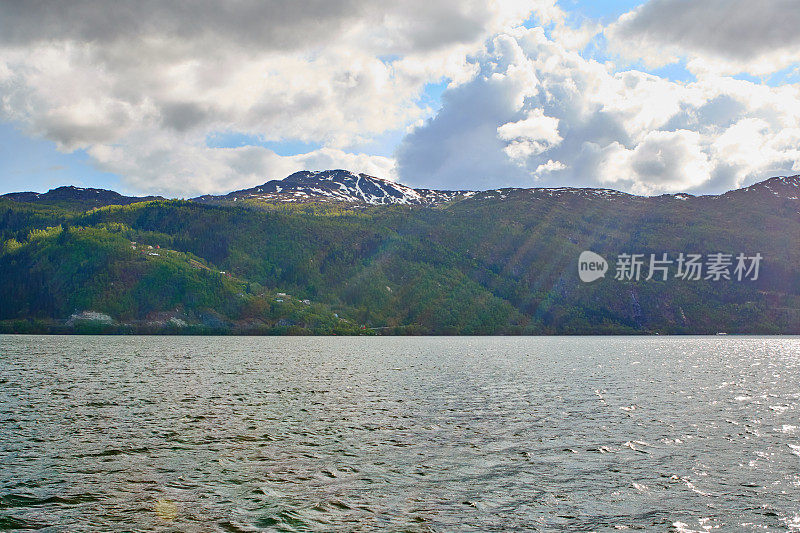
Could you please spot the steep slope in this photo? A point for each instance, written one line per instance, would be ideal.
(95, 279)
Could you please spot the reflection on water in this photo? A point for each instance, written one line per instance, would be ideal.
(400, 434)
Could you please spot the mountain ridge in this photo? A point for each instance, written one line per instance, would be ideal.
(362, 189)
(81, 195)
(502, 261)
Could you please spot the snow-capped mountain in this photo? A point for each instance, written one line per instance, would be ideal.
(337, 185)
(346, 186)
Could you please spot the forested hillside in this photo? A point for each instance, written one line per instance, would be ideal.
(494, 262)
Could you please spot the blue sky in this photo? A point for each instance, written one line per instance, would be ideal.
(606, 11)
(29, 163)
(406, 101)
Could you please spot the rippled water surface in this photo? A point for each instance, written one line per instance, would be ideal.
(399, 434)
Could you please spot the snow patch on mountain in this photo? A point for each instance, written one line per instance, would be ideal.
(339, 186)
(361, 189)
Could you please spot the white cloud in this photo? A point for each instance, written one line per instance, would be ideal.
(167, 164)
(539, 114)
(91, 74)
(663, 161)
(529, 136)
(550, 166)
(753, 146)
(140, 86)
(716, 36)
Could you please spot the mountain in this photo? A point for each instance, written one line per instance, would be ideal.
(77, 197)
(342, 186)
(355, 252)
(336, 186)
(347, 187)
(784, 188)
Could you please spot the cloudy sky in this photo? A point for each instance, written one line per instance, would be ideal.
(182, 98)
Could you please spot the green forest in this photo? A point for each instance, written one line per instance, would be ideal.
(494, 263)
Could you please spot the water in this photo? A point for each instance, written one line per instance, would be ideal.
(399, 434)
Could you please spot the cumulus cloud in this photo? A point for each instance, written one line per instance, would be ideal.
(141, 85)
(399, 27)
(540, 114)
(159, 162)
(529, 136)
(721, 36)
(663, 161)
(93, 75)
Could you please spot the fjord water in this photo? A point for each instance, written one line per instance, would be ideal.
(399, 434)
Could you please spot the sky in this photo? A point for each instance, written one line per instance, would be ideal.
(186, 98)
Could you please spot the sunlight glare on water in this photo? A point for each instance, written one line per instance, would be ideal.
(412, 434)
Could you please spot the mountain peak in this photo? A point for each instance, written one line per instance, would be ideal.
(320, 174)
(337, 186)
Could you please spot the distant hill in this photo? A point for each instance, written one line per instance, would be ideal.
(337, 252)
(77, 197)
